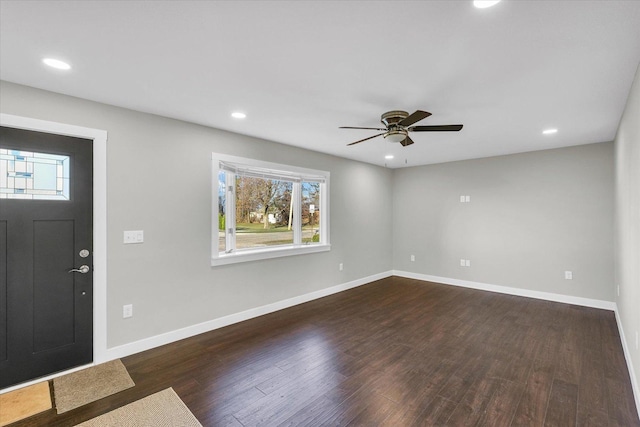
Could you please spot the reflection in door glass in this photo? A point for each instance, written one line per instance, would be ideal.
(31, 175)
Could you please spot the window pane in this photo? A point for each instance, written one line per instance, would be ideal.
(222, 203)
(31, 175)
(263, 212)
(311, 212)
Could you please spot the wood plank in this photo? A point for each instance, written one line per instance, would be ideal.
(470, 411)
(503, 403)
(592, 389)
(563, 404)
(532, 407)
(622, 408)
(435, 413)
(591, 417)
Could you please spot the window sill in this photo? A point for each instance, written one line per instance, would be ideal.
(275, 252)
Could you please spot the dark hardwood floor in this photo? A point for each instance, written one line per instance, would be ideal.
(396, 352)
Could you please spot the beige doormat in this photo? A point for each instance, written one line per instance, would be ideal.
(25, 402)
(162, 409)
(79, 388)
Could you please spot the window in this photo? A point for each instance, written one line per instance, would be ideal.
(266, 210)
(35, 176)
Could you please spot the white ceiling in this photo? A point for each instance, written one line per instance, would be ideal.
(300, 69)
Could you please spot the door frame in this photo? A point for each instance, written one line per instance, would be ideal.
(99, 138)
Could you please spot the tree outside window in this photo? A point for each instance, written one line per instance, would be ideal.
(261, 206)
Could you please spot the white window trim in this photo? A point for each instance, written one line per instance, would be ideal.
(244, 255)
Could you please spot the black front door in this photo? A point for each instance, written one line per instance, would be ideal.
(46, 267)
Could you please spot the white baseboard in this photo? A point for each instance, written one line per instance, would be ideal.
(627, 356)
(567, 299)
(169, 337)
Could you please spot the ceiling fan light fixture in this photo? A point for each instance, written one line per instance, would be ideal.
(398, 124)
(483, 4)
(396, 135)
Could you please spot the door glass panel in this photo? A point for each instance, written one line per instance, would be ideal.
(33, 175)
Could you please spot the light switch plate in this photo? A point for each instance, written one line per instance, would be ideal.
(135, 236)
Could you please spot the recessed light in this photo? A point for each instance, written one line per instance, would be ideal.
(238, 115)
(483, 4)
(56, 63)
(388, 156)
(549, 131)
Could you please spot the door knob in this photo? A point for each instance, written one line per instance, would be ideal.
(84, 269)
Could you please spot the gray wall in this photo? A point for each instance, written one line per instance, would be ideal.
(627, 144)
(159, 181)
(531, 217)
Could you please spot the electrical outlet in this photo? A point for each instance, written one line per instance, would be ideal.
(462, 262)
(618, 290)
(467, 263)
(136, 236)
(341, 266)
(413, 258)
(568, 275)
(127, 311)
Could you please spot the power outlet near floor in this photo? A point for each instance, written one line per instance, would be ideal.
(340, 266)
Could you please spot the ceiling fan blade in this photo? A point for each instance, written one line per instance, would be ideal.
(367, 138)
(413, 118)
(351, 127)
(407, 141)
(436, 128)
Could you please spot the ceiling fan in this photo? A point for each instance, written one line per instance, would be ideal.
(398, 125)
